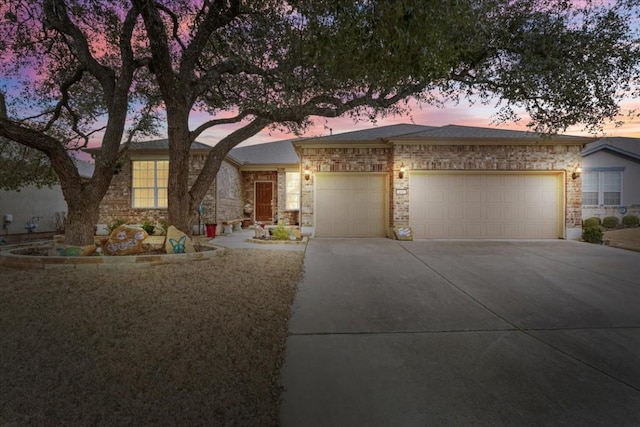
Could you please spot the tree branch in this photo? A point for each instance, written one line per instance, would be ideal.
(211, 123)
(56, 16)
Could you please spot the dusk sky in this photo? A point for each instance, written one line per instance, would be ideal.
(462, 114)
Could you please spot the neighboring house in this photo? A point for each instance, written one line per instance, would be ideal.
(611, 177)
(443, 182)
(45, 207)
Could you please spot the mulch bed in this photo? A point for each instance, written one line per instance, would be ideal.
(194, 344)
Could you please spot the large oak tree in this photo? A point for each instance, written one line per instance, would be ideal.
(68, 70)
(267, 63)
(273, 62)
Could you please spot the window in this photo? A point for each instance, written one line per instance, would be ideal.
(602, 187)
(149, 183)
(292, 182)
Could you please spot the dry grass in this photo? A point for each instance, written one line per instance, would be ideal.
(196, 344)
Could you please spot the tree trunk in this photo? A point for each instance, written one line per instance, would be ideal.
(180, 212)
(81, 221)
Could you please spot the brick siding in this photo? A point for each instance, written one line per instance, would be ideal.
(534, 157)
(117, 201)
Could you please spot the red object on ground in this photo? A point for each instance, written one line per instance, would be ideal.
(211, 230)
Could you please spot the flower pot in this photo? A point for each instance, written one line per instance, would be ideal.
(211, 230)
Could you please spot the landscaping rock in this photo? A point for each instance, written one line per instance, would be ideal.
(178, 242)
(124, 240)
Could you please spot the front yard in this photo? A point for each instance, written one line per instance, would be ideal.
(194, 344)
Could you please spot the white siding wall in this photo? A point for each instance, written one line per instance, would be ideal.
(30, 202)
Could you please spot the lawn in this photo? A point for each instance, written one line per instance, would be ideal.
(194, 344)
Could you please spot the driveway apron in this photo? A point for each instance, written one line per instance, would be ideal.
(389, 333)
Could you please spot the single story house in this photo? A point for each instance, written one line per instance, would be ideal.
(611, 177)
(443, 182)
(36, 211)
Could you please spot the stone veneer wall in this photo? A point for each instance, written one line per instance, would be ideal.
(248, 188)
(534, 157)
(117, 202)
(348, 159)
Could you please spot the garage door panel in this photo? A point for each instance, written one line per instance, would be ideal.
(464, 205)
(350, 205)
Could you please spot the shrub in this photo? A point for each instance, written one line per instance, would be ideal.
(280, 233)
(592, 234)
(630, 220)
(610, 221)
(148, 226)
(117, 222)
(164, 223)
(591, 222)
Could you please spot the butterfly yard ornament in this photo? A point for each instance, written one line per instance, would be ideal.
(177, 242)
(179, 246)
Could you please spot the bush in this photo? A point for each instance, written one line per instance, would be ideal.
(610, 221)
(591, 222)
(117, 222)
(592, 234)
(164, 223)
(148, 226)
(630, 220)
(280, 233)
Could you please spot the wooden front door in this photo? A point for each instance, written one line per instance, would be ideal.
(264, 197)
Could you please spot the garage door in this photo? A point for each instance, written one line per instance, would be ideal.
(501, 206)
(350, 205)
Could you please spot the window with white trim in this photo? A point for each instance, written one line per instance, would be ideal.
(603, 188)
(292, 183)
(149, 183)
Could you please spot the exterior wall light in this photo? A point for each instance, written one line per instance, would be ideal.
(403, 169)
(576, 173)
(307, 173)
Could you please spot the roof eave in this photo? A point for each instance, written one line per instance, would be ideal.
(248, 167)
(491, 141)
(344, 144)
(613, 150)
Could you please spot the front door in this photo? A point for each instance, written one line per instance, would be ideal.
(264, 196)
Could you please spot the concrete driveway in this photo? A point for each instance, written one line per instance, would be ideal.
(388, 333)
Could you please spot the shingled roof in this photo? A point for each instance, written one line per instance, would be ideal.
(625, 147)
(270, 153)
(455, 132)
(372, 134)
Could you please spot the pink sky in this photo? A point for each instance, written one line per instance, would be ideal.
(464, 115)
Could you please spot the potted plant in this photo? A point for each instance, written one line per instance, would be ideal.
(210, 226)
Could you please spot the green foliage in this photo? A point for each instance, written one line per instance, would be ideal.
(610, 221)
(21, 166)
(148, 226)
(591, 222)
(592, 234)
(630, 220)
(117, 222)
(280, 233)
(164, 223)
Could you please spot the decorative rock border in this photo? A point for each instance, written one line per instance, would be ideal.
(304, 241)
(8, 259)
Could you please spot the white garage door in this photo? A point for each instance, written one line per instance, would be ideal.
(350, 205)
(500, 206)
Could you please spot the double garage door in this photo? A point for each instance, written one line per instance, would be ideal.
(456, 205)
(489, 206)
